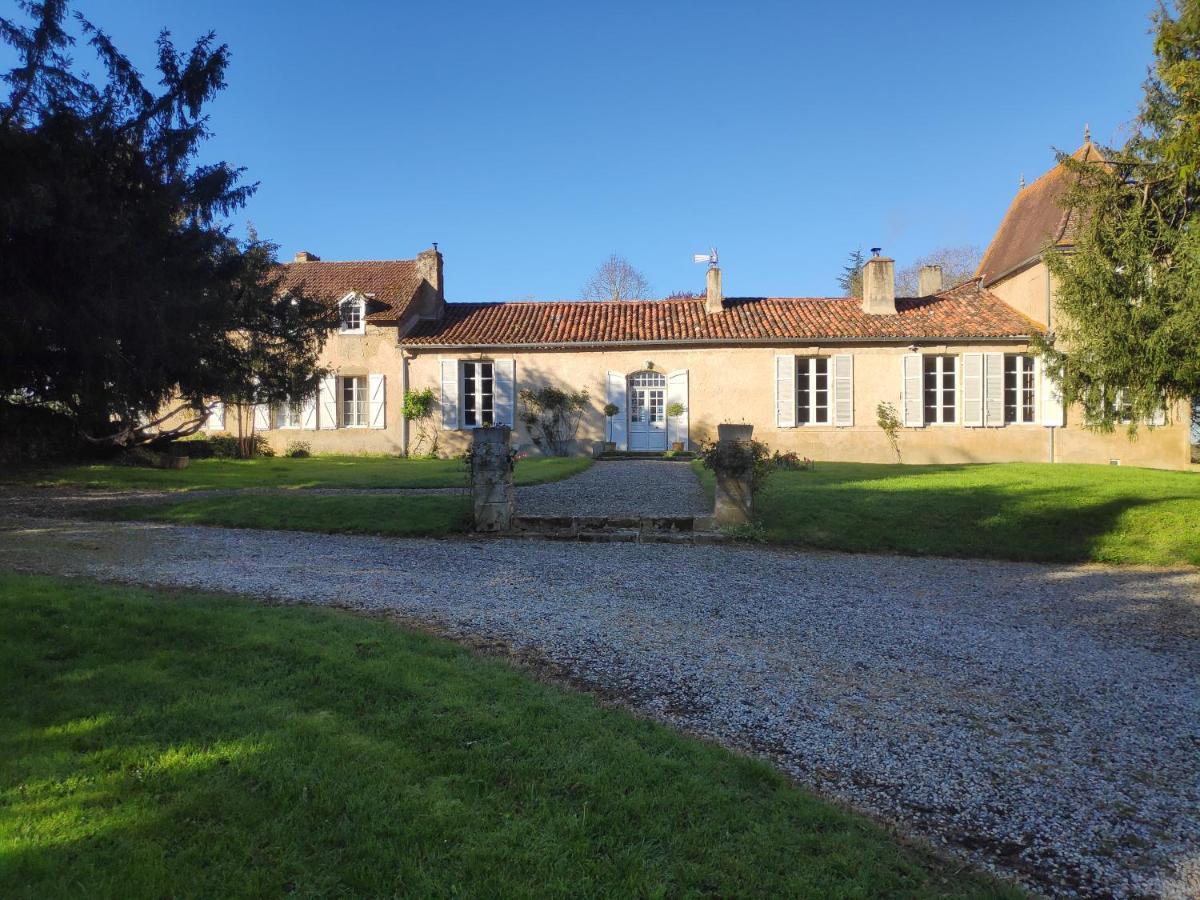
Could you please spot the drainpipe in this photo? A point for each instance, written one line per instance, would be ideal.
(403, 394)
(1049, 307)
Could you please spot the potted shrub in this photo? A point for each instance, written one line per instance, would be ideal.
(674, 411)
(610, 410)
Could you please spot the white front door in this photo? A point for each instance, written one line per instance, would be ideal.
(647, 411)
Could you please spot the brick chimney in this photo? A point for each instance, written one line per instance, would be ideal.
(305, 256)
(879, 285)
(429, 267)
(929, 281)
(714, 301)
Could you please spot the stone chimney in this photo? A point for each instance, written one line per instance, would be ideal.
(305, 256)
(879, 285)
(429, 267)
(714, 301)
(929, 281)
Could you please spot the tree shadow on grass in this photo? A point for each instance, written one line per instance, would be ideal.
(156, 744)
(1018, 521)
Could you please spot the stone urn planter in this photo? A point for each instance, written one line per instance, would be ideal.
(730, 432)
(733, 463)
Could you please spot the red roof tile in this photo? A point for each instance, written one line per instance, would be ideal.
(1035, 220)
(393, 282)
(963, 312)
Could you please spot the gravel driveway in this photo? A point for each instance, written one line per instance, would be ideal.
(1041, 720)
(619, 488)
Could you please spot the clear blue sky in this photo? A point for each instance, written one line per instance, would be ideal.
(532, 140)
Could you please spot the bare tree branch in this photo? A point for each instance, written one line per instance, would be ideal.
(616, 279)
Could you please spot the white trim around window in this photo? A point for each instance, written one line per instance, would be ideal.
(477, 392)
(354, 401)
(812, 390)
(939, 389)
(352, 310)
(1020, 389)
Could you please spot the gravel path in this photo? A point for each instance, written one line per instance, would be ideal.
(619, 488)
(1041, 720)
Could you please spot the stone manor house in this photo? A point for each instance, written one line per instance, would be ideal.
(806, 372)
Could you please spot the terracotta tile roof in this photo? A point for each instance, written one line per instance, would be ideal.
(1035, 220)
(392, 281)
(961, 312)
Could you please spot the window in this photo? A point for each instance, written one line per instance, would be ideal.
(1018, 389)
(354, 402)
(647, 398)
(941, 389)
(812, 390)
(289, 415)
(351, 309)
(478, 397)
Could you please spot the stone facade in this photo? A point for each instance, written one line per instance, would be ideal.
(695, 355)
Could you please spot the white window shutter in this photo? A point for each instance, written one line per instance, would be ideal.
(376, 401)
(677, 392)
(911, 396)
(215, 421)
(262, 417)
(972, 374)
(449, 393)
(843, 390)
(327, 406)
(615, 391)
(1053, 413)
(504, 378)
(993, 390)
(785, 391)
(308, 412)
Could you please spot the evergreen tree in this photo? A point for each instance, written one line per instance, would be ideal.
(850, 281)
(125, 303)
(1128, 333)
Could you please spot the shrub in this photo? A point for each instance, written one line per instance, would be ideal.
(35, 433)
(418, 409)
(138, 457)
(219, 446)
(298, 450)
(738, 459)
(889, 421)
(790, 462)
(551, 416)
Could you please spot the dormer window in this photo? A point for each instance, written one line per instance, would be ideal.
(353, 314)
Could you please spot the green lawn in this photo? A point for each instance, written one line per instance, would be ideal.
(391, 514)
(167, 743)
(1022, 511)
(278, 472)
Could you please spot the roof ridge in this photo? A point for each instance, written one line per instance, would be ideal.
(343, 262)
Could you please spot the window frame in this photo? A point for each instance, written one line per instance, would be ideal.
(1024, 389)
(478, 395)
(360, 310)
(359, 402)
(297, 410)
(939, 372)
(806, 376)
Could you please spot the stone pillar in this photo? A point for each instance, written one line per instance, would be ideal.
(493, 498)
(734, 494)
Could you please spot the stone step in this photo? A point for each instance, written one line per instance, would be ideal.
(618, 529)
(601, 523)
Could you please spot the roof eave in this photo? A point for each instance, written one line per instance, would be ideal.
(739, 342)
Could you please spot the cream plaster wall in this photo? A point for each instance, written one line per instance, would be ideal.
(1026, 293)
(737, 385)
(373, 352)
